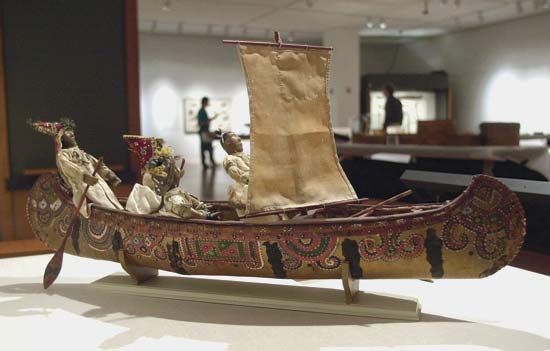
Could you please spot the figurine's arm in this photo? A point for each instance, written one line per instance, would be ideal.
(105, 172)
(235, 172)
(148, 181)
(70, 170)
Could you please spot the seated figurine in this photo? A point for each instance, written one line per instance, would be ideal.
(143, 199)
(237, 166)
(76, 167)
(160, 191)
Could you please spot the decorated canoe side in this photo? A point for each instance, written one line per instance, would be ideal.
(472, 236)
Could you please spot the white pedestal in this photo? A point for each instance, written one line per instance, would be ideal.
(285, 297)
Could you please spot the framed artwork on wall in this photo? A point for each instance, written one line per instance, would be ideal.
(220, 107)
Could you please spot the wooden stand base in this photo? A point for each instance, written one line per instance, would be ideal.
(285, 297)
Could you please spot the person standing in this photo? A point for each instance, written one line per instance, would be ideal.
(204, 132)
(393, 108)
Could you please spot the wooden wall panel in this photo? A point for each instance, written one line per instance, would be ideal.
(7, 231)
(132, 75)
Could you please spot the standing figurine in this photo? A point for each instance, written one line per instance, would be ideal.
(237, 166)
(76, 167)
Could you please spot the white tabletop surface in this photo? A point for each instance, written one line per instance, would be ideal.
(535, 157)
(508, 311)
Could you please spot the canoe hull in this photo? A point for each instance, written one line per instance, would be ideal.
(472, 237)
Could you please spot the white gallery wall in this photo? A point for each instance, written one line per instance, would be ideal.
(174, 67)
(498, 73)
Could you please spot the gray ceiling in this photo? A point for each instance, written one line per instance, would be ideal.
(306, 20)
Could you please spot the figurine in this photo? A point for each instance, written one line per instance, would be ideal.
(237, 166)
(162, 176)
(76, 167)
(143, 199)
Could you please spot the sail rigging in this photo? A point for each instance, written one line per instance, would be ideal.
(293, 159)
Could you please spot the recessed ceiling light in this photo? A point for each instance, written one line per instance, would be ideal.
(166, 5)
(370, 23)
(383, 25)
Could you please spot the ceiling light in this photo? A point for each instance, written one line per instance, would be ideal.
(383, 25)
(370, 23)
(166, 5)
(480, 17)
(519, 7)
(457, 3)
(426, 10)
(309, 3)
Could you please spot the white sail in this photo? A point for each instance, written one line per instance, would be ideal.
(293, 153)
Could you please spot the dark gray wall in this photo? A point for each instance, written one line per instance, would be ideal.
(64, 58)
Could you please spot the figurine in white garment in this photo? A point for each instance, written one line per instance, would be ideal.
(76, 167)
(237, 166)
(160, 191)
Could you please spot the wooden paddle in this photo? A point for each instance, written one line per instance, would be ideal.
(367, 211)
(54, 266)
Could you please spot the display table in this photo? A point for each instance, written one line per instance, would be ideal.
(535, 158)
(508, 311)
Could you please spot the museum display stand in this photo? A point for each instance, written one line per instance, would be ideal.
(299, 297)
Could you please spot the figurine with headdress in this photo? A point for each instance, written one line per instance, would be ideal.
(76, 166)
(237, 166)
(161, 176)
(144, 198)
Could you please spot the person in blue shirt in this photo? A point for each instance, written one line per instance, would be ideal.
(204, 132)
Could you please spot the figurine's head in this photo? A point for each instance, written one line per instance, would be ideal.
(62, 131)
(68, 139)
(231, 143)
(205, 102)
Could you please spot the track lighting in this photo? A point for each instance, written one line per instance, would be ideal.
(519, 7)
(457, 22)
(480, 17)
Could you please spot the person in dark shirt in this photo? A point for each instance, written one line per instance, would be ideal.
(393, 108)
(204, 132)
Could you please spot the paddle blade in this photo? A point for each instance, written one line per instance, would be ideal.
(53, 268)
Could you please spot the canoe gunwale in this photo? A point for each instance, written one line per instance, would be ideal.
(446, 206)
